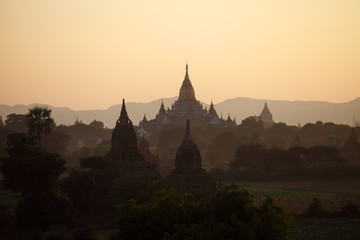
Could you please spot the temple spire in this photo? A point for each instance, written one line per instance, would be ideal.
(124, 118)
(162, 110)
(266, 116)
(212, 110)
(187, 91)
(187, 78)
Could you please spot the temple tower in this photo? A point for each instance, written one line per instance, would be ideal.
(185, 107)
(188, 155)
(266, 116)
(212, 111)
(124, 141)
(162, 111)
(186, 92)
(188, 175)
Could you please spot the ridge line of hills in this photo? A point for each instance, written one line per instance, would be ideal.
(289, 112)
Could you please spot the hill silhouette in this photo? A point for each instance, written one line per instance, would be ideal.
(289, 112)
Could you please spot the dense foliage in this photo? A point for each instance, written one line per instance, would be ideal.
(255, 162)
(99, 186)
(230, 214)
(34, 173)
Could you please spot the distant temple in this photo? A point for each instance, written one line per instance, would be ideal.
(124, 151)
(148, 156)
(188, 175)
(186, 107)
(77, 122)
(332, 140)
(266, 116)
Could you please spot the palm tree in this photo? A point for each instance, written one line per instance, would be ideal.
(39, 122)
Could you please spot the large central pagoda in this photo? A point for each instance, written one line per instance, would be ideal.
(187, 92)
(186, 107)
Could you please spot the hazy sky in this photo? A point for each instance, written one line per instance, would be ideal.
(88, 54)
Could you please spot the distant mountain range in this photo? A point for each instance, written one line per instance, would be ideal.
(289, 112)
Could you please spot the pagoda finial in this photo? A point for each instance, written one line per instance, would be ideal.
(162, 110)
(124, 118)
(123, 108)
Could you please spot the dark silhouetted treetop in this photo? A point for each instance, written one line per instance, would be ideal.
(39, 122)
(29, 169)
(97, 124)
(231, 214)
(252, 123)
(16, 123)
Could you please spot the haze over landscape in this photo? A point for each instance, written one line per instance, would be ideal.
(205, 119)
(88, 55)
(289, 112)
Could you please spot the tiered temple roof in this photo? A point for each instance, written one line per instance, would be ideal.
(186, 107)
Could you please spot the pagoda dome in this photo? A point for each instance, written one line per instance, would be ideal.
(186, 91)
(123, 136)
(266, 115)
(188, 155)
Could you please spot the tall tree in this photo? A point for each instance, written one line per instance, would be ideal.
(34, 173)
(39, 122)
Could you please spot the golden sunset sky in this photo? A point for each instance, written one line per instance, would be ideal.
(88, 54)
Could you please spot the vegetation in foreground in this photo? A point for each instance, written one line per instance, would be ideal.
(230, 214)
(325, 229)
(83, 204)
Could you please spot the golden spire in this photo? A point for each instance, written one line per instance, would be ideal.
(187, 91)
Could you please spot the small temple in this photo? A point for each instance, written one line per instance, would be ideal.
(186, 107)
(77, 121)
(188, 174)
(148, 156)
(266, 116)
(124, 150)
(332, 140)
